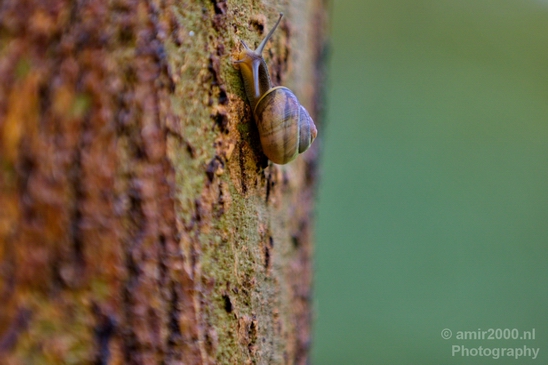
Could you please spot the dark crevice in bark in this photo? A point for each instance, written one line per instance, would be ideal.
(163, 261)
(137, 219)
(227, 303)
(25, 167)
(44, 99)
(252, 336)
(158, 49)
(104, 330)
(8, 340)
(130, 345)
(213, 167)
(175, 337)
(221, 120)
(171, 299)
(129, 129)
(243, 176)
(76, 177)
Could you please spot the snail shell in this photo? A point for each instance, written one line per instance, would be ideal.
(285, 127)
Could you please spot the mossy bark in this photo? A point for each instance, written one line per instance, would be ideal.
(140, 222)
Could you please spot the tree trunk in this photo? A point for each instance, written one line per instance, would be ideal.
(140, 222)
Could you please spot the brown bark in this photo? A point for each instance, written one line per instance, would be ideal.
(140, 222)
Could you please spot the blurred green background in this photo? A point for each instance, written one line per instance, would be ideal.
(433, 204)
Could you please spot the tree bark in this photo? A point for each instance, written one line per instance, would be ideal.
(140, 222)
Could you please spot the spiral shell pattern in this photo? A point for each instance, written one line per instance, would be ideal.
(285, 127)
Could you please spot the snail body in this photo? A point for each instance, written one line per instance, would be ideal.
(285, 127)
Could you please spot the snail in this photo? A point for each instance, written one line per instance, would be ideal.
(285, 127)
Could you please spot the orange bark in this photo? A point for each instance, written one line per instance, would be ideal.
(140, 221)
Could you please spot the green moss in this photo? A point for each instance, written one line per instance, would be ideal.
(59, 331)
(22, 68)
(230, 247)
(100, 289)
(80, 106)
